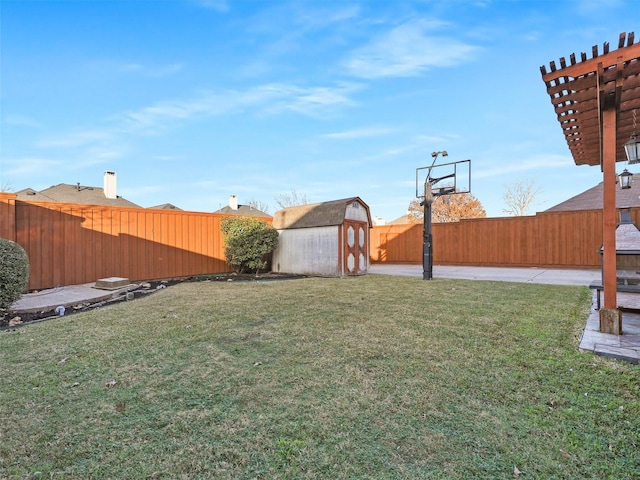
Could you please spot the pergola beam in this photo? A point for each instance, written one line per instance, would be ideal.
(632, 52)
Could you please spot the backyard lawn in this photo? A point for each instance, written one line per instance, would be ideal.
(374, 377)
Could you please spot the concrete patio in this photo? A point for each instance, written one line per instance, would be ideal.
(624, 347)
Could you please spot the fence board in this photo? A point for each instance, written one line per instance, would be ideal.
(8, 216)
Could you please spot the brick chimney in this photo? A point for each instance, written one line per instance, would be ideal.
(233, 202)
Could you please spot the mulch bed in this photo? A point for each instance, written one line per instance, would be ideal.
(10, 320)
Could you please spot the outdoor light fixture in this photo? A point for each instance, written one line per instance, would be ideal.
(443, 153)
(632, 147)
(625, 179)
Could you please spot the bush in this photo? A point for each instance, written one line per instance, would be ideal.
(248, 242)
(14, 272)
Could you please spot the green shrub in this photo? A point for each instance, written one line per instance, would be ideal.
(14, 272)
(248, 242)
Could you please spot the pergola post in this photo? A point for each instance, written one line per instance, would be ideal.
(610, 316)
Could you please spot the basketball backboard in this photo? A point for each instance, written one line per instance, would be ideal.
(445, 178)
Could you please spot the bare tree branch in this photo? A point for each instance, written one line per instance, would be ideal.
(286, 200)
(258, 205)
(520, 197)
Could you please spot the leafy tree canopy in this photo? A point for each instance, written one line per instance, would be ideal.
(448, 208)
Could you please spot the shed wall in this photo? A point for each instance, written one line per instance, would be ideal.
(308, 251)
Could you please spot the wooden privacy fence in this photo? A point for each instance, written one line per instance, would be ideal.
(554, 239)
(70, 244)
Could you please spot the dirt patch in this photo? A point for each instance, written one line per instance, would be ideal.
(11, 319)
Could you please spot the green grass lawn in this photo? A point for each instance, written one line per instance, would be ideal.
(375, 377)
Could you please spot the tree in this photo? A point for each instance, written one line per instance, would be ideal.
(259, 205)
(448, 208)
(248, 241)
(519, 198)
(286, 200)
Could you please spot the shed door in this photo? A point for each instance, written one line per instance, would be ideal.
(356, 247)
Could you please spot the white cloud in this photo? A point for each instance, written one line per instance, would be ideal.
(30, 165)
(316, 101)
(406, 51)
(106, 67)
(164, 70)
(270, 99)
(221, 6)
(21, 121)
(75, 138)
(360, 133)
(537, 163)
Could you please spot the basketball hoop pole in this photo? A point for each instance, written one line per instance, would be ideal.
(428, 198)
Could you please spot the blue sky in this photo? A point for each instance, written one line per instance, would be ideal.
(190, 101)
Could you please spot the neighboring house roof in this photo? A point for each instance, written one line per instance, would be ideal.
(243, 210)
(73, 194)
(29, 194)
(403, 220)
(316, 214)
(591, 199)
(165, 206)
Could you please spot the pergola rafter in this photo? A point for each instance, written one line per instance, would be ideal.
(580, 90)
(595, 101)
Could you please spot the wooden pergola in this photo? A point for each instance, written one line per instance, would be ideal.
(595, 100)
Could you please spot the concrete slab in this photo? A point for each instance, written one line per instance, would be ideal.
(623, 347)
(46, 300)
(550, 276)
(112, 283)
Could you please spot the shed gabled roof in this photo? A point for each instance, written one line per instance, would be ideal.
(323, 214)
(591, 199)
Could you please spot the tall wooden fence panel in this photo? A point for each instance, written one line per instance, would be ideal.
(554, 239)
(71, 244)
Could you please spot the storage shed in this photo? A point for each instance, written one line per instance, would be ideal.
(327, 239)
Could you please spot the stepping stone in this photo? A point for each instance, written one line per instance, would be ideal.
(112, 283)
